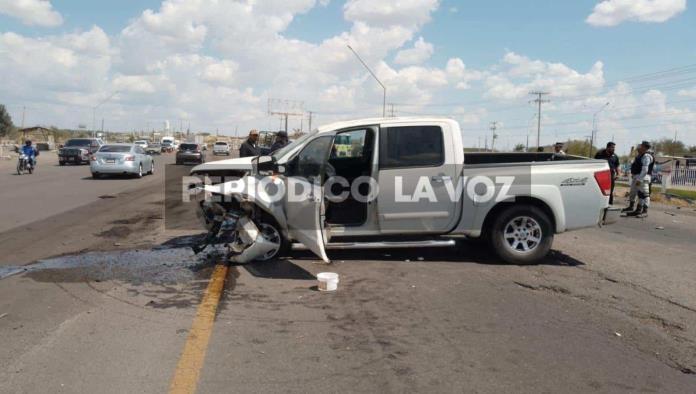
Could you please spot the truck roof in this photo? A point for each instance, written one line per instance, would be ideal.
(368, 121)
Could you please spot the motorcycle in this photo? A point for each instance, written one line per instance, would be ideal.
(24, 164)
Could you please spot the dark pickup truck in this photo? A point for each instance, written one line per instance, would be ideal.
(78, 150)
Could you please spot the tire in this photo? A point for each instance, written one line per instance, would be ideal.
(19, 169)
(61, 163)
(95, 175)
(270, 228)
(139, 174)
(152, 168)
(521, 234)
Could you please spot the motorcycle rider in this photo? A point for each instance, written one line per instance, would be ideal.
(30, 152)
(641, 175)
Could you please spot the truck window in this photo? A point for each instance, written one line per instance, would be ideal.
(310, 161)
(411, 146)
(350, 144)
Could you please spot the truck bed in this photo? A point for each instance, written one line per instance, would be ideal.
(511, 158)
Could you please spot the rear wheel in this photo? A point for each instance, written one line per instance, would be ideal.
(139, 174)
(521, 234)
(95, 175)
(152, 168)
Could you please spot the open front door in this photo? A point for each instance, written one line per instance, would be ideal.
(304, 204)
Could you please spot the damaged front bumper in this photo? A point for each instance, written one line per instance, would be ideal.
(236, 232)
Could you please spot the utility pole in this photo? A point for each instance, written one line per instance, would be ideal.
(384, 98)
(594, 127)
(539, 101)
(494, 127)
(527, 142)
(310, 120)
(485, 145)
(24, 112)
(391, 110)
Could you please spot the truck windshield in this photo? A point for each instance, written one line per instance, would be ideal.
(78, 142)
(287, 148)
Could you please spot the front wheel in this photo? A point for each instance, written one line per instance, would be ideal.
(521, 234)
(20, 168)
(271, 231)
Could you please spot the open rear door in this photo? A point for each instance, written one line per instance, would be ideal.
(304, 204)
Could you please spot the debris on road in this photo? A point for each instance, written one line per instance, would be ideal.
(659, 228)
(3, 315)
(618, 334)
(328, 281)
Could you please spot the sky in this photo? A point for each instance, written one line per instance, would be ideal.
(214, 65)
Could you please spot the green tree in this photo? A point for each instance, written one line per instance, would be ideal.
(580, 148)
(520, 148)
(6, 125)
(669, 147)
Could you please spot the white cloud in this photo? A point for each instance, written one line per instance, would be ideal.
(517, 75)
(614, 12)
(32, 12)
(419, 53)
(70, 62)
(688, 92)
(408, 13)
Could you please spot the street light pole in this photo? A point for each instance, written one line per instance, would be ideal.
(384, 100)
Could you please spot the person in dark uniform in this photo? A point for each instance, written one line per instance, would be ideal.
(281, 141)
(610, 156)
(641, 175)
(249, 147)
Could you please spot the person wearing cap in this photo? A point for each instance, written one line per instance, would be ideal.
(249, 147)
(281, 141)
(610, 156)
(641, 175)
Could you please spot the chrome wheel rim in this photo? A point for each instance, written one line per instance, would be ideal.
(522, 234)
(272, 235)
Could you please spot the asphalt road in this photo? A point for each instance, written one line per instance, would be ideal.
(611, 310)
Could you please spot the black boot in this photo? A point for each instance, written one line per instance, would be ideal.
(643, 213)
(637, 212)
(629, 208)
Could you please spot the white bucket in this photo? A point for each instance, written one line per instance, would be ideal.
(328, 281)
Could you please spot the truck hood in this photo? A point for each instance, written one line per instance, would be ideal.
(242, 163)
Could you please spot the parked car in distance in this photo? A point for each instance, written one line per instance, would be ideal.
(121, 159)
(153, 148)
(78, 150)
(167, 147)
(221, 148)
(190, 153)
(141, 143)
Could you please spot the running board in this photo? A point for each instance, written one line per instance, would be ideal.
(382, 245)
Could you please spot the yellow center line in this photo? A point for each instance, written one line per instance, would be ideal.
(191, 361)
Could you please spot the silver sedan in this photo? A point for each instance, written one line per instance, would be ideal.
(125, 159)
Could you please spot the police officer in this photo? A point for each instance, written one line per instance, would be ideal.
(610, 156)
(281, 140)
(641, 175)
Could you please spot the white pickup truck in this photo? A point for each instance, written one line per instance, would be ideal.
(397, 183)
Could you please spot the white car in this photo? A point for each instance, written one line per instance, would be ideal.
(141, 143)
(221, 148)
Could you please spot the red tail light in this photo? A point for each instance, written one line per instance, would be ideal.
(603, 179)
(129, 158)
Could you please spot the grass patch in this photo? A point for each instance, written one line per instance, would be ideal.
(688, 194)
